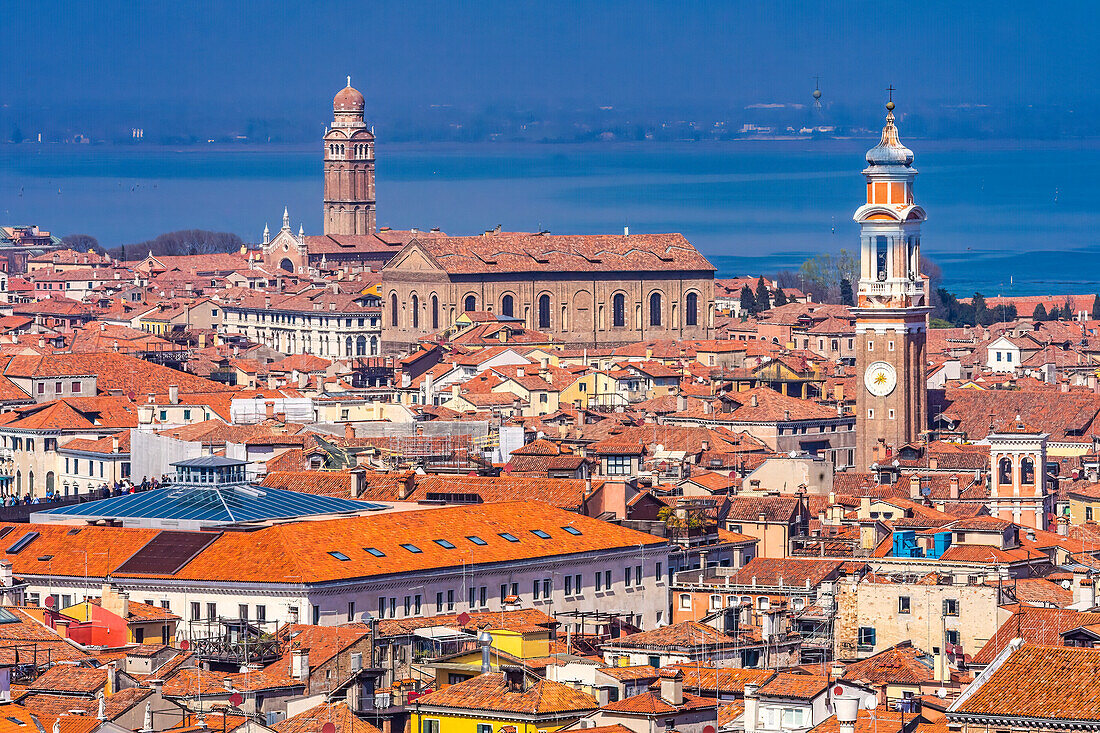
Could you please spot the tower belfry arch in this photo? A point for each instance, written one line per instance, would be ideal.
(349, 207)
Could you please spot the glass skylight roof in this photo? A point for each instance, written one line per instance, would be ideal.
(540, 534)
(374, 551)
(476, 540)
(445, 544)
(223, 505)
(509, 536)
(571, 530)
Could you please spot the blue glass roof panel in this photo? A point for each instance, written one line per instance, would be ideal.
(215, 505)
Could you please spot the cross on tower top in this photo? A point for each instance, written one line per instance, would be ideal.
(890, 103)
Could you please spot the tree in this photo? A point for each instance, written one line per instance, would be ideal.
(1096, 307)
(1067, 310)
(81, 242)
(748, 302)
(763, 298)
(122, 253)
(1040, 313)
(846, 292)
(189, 241)
(780, 297)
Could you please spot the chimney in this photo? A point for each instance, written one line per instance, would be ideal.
(61, 626)
(752, 708)
(454, 392)
(349, 431)
(954, 491)
(485, 639)
(753, 401)
(112, 679)
(407, 486)
(173, 394)
(5, 573)
(299, 664)
(847, 709)
(672, 688)
(267, 302)
(358, 481)
(914, 487)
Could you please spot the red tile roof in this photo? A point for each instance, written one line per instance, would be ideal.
(490, 692)
(519, 252)
(1038, 682)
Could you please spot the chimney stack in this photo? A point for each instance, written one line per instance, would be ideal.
(299, 664)
(752, 708)
(173, 394)
(672, 687)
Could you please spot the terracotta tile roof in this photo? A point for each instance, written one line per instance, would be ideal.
(1038, 682)
(113, 371)
(301, 549)
(142, 611)
(1038, 591)
(1068, 416)
(102, 445)
(53, 705)
(1036, 626)
(651, 703)
(875, 721)
(490, 692)
(638, 672)
(312, 720)
(29, 632)
(519, 252)
(19, 719)
(522, 618)
(774, 508)
(326, 483)
(798, 686)
(684, 635)
(902, 664)
(790, 571)
(705, 678)
(191, 681)
(323, 642)
(71, 679)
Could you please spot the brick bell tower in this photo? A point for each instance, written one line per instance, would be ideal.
(892, 305)
(349, 167)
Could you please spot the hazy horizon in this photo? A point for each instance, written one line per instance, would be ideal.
(436, 70)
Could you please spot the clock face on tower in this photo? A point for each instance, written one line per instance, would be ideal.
(880, 378)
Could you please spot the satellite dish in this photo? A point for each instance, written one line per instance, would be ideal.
(941, 693)
(328, 728)
(870, 702)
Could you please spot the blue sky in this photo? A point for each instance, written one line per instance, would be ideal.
(287, 54)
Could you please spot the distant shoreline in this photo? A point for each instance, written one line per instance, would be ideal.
(937, 144)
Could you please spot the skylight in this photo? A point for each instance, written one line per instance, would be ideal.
(339, 555)
(445, 544)
(375, 551)
(22, 542)
(571, 530)
(540, 534)
(476, 540)
(412, 548)
(510, 537)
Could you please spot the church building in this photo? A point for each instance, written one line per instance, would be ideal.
(892, 305)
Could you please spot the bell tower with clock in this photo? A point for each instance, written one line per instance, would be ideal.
(891, 305)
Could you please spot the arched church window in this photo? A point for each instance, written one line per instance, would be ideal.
(655, 309)
(470, 304)
(393, 309)
(435, 312)
(416, 311)
(544, 311)
(1004, 471)
(691, 309)
(618, 310)
(506, 305)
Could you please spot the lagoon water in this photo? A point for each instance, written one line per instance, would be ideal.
(1003, 217)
